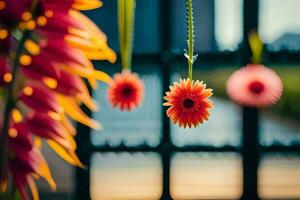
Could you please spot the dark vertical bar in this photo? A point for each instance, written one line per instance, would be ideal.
(250, 23)
(250, 149)
(165, 26)
(250, 152)
(82, 188)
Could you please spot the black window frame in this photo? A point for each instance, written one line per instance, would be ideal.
(250, 150)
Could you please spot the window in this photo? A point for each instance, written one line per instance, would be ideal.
(142, 156)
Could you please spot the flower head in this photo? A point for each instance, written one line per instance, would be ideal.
(254, 86)
(126, 90)
(189, 103)
(58, 44)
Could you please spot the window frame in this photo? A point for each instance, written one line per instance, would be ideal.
(250, 150)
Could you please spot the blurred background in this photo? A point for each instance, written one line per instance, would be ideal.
(140, 156)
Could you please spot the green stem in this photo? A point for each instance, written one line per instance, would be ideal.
(10, 104)
(126, 14)
(190, 39)
(190, 73)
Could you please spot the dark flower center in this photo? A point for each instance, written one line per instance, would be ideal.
(188, 103)
(127, 91)
(256, 87)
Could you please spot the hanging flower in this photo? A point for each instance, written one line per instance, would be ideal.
(254, 86)
(126, 90)
(189, 103)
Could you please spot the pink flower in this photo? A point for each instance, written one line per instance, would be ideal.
(254, 86)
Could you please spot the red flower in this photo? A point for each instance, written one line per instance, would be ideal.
(126, 91)
(49, 87)
(254, 86)
(189, 103)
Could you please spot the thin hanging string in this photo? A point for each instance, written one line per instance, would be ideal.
(189, 54)
(256, 46)
(126, 14)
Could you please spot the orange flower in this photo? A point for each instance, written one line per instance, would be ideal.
(255, 86)
(126, 90)
(189, 103)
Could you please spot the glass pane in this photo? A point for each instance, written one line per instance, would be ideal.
(279, 24)
(206, 176)
(204, 25)
(279, 130)
(228, 24)
(223, 127)
(282, 125)
(279, 177)
(278, 124)
(126, 176)
(140, 126)
(146, 24)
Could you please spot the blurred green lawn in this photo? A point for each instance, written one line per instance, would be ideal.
(289, 105)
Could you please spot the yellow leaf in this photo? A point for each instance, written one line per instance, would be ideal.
(86, 4)
(73, 110)
(33, 188)
(68, 156)
(44, 171)
(256, 46)
(68, 125)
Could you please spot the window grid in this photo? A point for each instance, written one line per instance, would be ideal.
(250, 150)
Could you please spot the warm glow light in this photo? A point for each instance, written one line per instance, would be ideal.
(50, 82)
(32, 47)
(7, 77)
(54, 115)
(17, 116)
(26, 16)
(2, 5)
(12, 132)
(42, 21)
(30, 25)
(28, 91)
(49, 13)
(25, 60)
(3, 34)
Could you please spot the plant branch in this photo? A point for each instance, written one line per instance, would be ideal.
(10, 101)
(10, 104)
